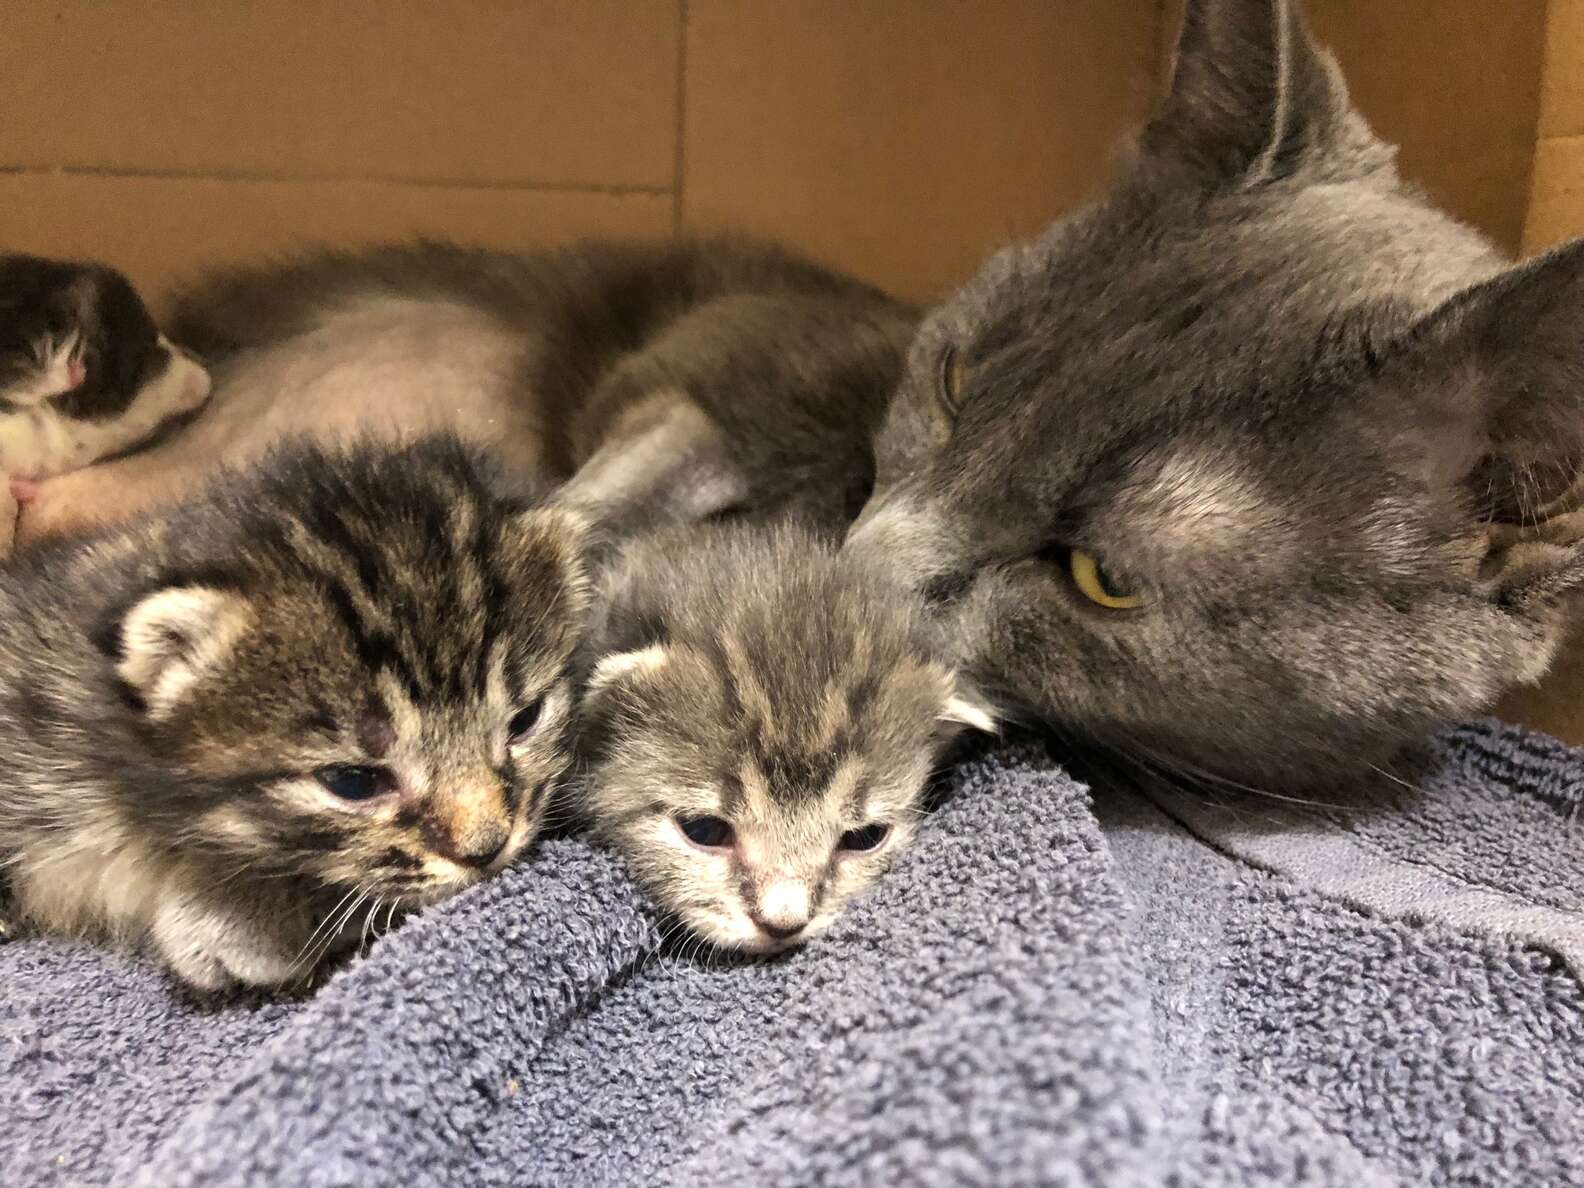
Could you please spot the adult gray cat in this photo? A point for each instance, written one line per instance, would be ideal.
(1258, 466)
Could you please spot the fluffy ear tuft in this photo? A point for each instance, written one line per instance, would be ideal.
(549, 547)
(965, 707)
(1500, 367)
(1253, 99)
(619, 666)
(172, 638)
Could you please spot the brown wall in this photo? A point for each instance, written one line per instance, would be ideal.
(1557, 201)
(901, 138)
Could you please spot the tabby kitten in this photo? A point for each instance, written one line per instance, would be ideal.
(329, 690)
(1258, 467)
(760, 724)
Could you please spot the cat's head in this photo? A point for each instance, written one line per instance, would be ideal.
(760, 725)
(358, 675)
(80, 336)
(1258, 466)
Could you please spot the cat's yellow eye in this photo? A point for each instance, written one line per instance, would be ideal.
(952, 374)
(1097, 585)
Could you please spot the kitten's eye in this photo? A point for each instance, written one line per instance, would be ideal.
(951, 377)
(522, 723)
(1098, 586)
(865, 838)
(709, 832)
(355, 783)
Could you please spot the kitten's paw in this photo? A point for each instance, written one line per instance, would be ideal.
(213, 949)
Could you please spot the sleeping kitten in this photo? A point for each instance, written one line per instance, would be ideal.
(1258, 467)
(673, 379)
(759, 728)
(323, 692)
(84, 372)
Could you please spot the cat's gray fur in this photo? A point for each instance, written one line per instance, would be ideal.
(672, 379)
(187, 703)
(1330, 434)
(786, 694)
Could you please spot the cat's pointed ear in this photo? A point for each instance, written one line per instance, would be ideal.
(1499, 368)
(171, 639)
(1253, 98)
(548, 548)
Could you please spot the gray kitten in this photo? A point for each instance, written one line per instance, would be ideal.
(759, 728)
(672, 379)
(1257, 467)
(335, 687)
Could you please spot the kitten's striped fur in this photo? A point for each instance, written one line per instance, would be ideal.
(757, 679)
(169, 690)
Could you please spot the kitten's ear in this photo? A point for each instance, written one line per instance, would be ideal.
(667, 462)
(548, 550)
(966, 707)
(617, 667)
(169, 640)
(1500, 369)
(1253, 98)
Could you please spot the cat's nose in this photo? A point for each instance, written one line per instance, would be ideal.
(778, 931)
(913, 544)
(783, 910)
(477, 846)
(471, 826)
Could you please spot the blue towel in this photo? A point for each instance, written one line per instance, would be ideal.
(1052, 986)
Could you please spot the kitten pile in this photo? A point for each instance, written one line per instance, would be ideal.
(1251, 473)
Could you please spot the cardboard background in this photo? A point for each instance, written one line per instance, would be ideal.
(902, 139)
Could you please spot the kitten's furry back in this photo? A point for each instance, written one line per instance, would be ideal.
(758, 377)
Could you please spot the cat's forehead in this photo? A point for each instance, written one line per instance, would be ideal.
(1161, 303)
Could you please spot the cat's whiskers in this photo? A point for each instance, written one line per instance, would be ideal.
(332, 935)
(323, 924)
(368, 922)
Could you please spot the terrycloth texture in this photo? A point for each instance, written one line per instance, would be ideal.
(1037, 994)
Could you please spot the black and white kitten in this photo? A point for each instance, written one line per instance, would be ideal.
(318, 694)
(84, 371)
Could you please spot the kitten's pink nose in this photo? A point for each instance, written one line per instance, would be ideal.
(477, 846)
(784, 909)
(471, 826)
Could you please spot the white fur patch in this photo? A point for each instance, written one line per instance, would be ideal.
(619, 665)
(966, 711)
(785, 903)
